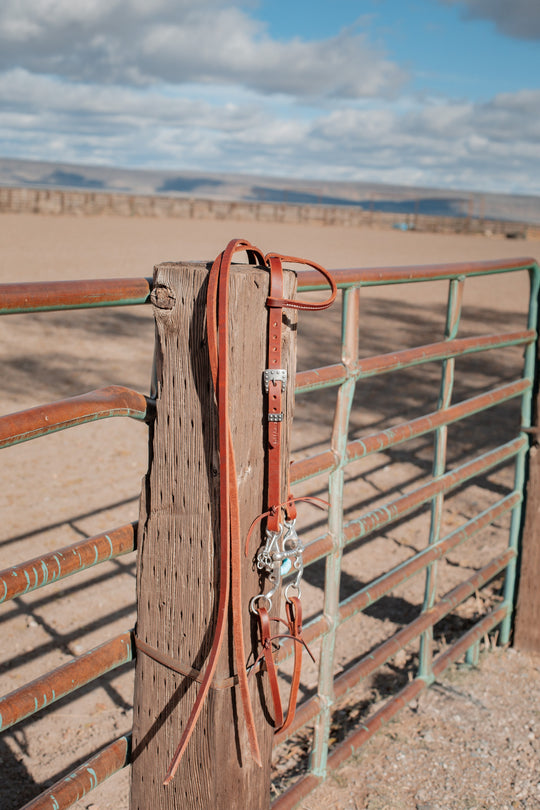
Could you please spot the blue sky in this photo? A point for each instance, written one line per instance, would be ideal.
(439, 93)
(444, 52)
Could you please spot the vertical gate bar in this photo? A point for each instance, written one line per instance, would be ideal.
(472, 655)
(349, 355)
(521, 459)
(453, 314)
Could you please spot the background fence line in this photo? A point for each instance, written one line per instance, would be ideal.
(93, 203)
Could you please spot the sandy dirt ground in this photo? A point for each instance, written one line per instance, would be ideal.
(469, 742)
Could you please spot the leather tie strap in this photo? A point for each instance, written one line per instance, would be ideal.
(179, 667)
(294, 625)
(266, 643)
(294, 619)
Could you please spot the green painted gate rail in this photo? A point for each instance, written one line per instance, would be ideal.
(345, 375)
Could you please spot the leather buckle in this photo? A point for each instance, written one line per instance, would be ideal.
(275, 375)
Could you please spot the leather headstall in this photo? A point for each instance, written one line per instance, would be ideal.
(282, 552)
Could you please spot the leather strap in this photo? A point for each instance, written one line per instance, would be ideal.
(294, 625)
(230, 543)
(293, 608)
(275, 384)
(266, 643)
(177, 666)
(275, 301)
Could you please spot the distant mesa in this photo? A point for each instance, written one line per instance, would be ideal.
(431, 206)
(428, 206)
(403, 203)
(285, 195)
(188, 184)
(69, 179)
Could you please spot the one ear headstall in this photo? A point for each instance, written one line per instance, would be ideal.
(282, 552)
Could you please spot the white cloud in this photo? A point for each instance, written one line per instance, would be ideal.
(179, 41)
(519, 18)
(489, 146)
(198, 84)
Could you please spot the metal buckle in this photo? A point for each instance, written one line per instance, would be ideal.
(275, 417)
(275, 375)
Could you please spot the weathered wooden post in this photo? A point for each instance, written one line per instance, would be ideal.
(178, 557)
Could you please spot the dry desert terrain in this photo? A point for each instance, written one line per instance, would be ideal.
(472, 741)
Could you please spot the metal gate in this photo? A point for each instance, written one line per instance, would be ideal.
(346, 376)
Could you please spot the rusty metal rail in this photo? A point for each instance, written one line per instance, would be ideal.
(85, 778)
(33, 574)
(328, 461)
(408, 358)
(62, 295)
(413, 274)
(64, 680)
(114, 400)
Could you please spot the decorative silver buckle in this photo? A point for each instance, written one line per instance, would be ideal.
(275, 375)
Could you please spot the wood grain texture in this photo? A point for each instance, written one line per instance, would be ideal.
(178, 562)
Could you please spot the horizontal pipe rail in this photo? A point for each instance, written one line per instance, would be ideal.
(394, 510)
(386, 583)
(33, 574)
(329, 461)
(352, 676)
(85, 778)
(472, 636)
(61, 295)
(65, 679)
(400, 507)
(418, 427)
(377, 276)
(103, 403)
(440, 663)
(305, 785)
(315, 379)
(81, 294)
(392, 579)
